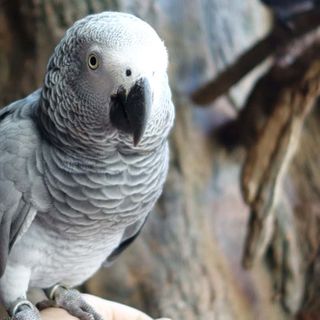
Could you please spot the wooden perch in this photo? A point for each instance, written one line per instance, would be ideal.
(268, 159)
(278, 38)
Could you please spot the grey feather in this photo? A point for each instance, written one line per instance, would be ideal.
(129, 235)
(21, 190)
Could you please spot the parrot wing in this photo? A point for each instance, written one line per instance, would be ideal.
(22, 192)
(129, 235)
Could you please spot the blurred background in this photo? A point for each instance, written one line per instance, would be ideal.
(236, 233)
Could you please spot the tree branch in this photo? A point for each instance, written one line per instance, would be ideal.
(270, 156)
(278, 38)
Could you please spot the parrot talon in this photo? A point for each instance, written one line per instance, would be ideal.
(24, 310)
(71, 301)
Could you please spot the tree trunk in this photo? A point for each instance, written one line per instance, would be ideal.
(187, 262)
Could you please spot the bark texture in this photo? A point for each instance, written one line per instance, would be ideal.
(187, 262)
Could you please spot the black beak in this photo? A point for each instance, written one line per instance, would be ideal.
(130, 112)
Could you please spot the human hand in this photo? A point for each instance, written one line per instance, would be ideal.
(107, 309)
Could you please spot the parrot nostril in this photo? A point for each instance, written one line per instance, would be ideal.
(128, 72)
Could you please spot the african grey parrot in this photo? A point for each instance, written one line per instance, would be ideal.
(82, 160)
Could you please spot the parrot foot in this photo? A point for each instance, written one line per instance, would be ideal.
(24, 310)
(71, 301)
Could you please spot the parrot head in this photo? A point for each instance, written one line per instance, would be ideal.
(107, 75)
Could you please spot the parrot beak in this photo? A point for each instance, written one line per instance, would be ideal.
(130, 113)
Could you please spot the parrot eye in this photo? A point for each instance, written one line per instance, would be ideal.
(128, 73)
(93, 62)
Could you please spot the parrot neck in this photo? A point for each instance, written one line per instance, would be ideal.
(64, 131)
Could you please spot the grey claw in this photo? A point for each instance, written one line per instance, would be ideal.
(26, 312)
(72, 301)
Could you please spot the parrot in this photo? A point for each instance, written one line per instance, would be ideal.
(286, 9)
(83, 160)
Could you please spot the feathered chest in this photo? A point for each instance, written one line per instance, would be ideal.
(114, 194)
